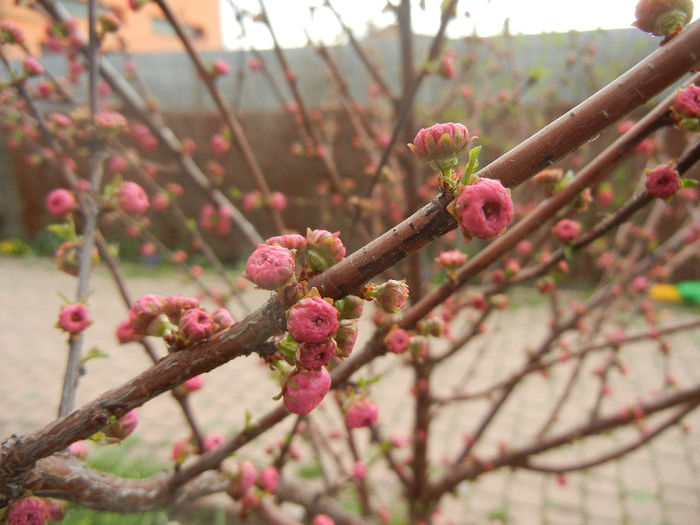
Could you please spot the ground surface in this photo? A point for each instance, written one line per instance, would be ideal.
(657, 484)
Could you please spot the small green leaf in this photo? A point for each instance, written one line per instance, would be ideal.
(472, 165)
(93, 353)
(688, 183)
(310, 471)
(369, 381)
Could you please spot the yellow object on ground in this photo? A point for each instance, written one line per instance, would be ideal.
(665, 292)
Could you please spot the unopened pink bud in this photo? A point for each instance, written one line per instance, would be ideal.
(361, 413)
(390, 296)
(270, 266)
(322, 519)
(305, 389)
(144, 311)
(212, 441)
(219, 68)
(313, 356)
(323, 249)
(123, 426)
(451, 259)
(483, 209)
(349, 307)
(663, 17)
(222, 319)
(346, 336)
(247, 474)
(269, 479)
(78, 449)
(132, 198)
(359, 469)
(292, 241)
(32, 67)
(194, 383)
(440, 145)
(686, 103)
(218, 144)
(312, 320)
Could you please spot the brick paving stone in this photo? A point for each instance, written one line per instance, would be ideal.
(603, 505)
(524, 514)
(683, 515)
(685, 495)
(563, 516)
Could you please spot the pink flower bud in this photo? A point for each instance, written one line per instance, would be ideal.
(218, 144)
(174, 305)
(524, 247)
(686, 104)
(107, 23)
(419, 347)
(359, 469)
(193, 384)
(32, 67)
(269, 479)
(313, 356)
(132, 198)
(483, 209)
(212, 441)
(397, 340)
(361, 413)
(566, 230)
(255, 64)
(195, 325)
(123, 426)
(245, 478)
(10, 33)
(305, 389)
(441, 144)
(323, 249)
(181, 449)
(278, 200)
(663, 181)
(322, 519)
(663, 17)
(144, 311)
(74, 318)
(79, 449)
(390, 296)
(222, 319)
(346, 336)
(27, 511)
(312, 320)
(219, 68)
(60, 201)
(292, 241)
(451, 259)
(270, 267)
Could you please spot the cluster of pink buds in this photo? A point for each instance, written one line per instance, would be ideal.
(178, 320)
(663, 17)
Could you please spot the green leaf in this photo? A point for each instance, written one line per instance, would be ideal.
(370, 380)
(688, 183)
(93, 353)
(472, 165)
(310, 471)
(65, 231)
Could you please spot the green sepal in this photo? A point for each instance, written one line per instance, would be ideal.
(472, 165)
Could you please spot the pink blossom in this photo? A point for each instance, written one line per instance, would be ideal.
(195, 325)
(174, 305)
(397, 340)
(193, 383)
(247, 474)
(255, 64)
(483, 209)
(144, 311)
(524, 247)
(312, 320)
(60, 201)
(222, 319)
(451, 259)
(322, 519)
(125, 333)
(441, 144)
(686, 104)
(28, 511)
(361, 413)
(212, 441)
(605, 196)
(251, 200)
(640, 283)
(123, 426)
(663, 181)
(270, 267)
(180, 450)
(315, 355)
(132, 198)
(359, 469)
(566, 230)
(116, 164)
(269, 479)
(45, 89)
(160, 201)
(10, 33)
(78, 449)
(219, 67)
(278, 200)
(218, 144)
(305, 389)
(147, 249)
(74, 318)
(32, 67)
(323, 249)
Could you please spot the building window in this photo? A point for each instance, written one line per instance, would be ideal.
(79, 8)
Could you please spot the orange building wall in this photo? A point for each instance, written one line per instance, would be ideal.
(142, 30)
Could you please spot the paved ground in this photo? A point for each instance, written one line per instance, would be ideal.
(657, 484)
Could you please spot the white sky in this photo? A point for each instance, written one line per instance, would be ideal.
(290, 17)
